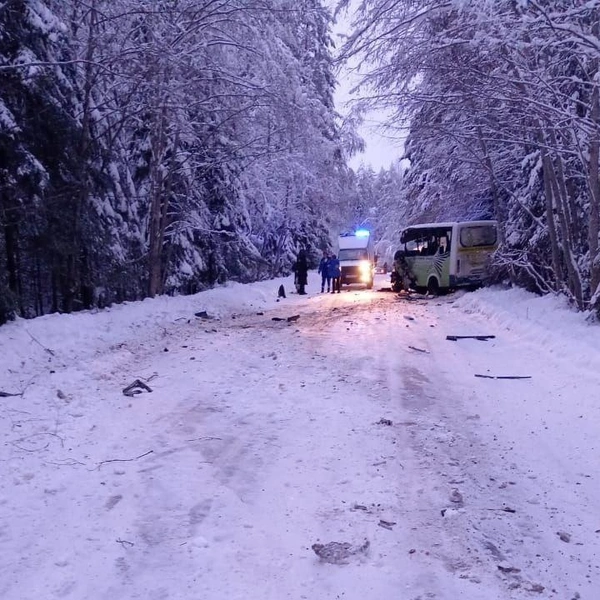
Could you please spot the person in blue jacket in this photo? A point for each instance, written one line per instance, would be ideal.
(324, 272)
(333, 268)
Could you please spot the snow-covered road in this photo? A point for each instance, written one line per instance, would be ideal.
(357, 421)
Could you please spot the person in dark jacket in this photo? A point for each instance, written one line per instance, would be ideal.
(333, 268)
(301, 272)
(324, 272)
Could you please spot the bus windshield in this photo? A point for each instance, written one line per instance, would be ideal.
(478, 235)
(353, 254)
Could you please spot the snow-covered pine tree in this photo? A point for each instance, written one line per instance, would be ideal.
(51, 232)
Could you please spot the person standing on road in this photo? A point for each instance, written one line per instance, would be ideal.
(324, 272)
(333, 268)
(301, 272)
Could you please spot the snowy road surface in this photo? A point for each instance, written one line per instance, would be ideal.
(358, 421)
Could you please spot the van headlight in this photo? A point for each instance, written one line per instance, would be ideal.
(365, 270)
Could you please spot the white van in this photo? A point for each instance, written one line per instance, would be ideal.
(357, 258)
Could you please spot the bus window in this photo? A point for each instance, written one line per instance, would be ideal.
(412, 248)
(432, 246)
(478, 235)
(426, 242)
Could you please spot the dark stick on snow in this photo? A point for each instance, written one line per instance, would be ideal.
(40, 343)
(503, 376)
(111, 460)
(481, 338)
(419, 349)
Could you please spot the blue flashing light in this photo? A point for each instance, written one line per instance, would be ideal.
(362, 233)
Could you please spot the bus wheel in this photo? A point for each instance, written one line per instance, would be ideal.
(433, 287)
(370, 285)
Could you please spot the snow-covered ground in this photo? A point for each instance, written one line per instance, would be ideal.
(359, 421)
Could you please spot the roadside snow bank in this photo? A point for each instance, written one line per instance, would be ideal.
(61, 338)
(547, 321)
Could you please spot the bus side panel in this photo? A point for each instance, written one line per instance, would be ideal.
(441, 267)
(472, 265)
(423, 267)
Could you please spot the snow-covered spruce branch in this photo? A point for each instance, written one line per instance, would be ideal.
(512, 259)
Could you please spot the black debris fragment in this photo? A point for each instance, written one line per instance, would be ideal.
(508, 569)
(503, 376)
(137, 387)
(481, 338)
(419, 349)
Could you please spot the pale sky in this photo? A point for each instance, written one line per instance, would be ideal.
(380, 150)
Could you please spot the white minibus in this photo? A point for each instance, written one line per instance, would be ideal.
(443, 256)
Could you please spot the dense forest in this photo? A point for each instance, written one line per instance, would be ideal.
(161, 146)
(164, 146)
(500, 102)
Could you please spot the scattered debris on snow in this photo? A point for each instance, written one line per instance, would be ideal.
(564, 536)
(508, 569)
(137, 387)
(419, 349)
(481, 338)
(338, 553)
(456, 496)
(503, 376)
